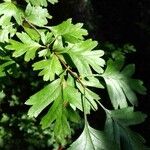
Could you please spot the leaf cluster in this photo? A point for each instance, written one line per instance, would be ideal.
(71, 67)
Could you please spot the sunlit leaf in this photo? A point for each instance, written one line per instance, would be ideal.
(70, 32)
(9, 10)
(7, 32)
(49, 68)
(41, 2)
(121, 86)
(43, 98)
(27, 46)
(85, 58)
(37, 15)
(92, 139)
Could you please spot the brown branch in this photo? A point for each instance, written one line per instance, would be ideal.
(70, 71)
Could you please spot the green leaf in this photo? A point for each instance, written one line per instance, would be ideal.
(117, 130)
(91, 98)
(57, 114)
(71, 33)
(92, 139)
(84, 58)
(92, 82)
(120, 85)
(37, 2)
(9, 10)
(43, 98)
(58, 45)
(49, 68)
(62, 128)
(27, 45)
(73, 97)
(73, 115)
(52, 113)
(47, 37)
(37, 15)
(43, 53)
(7, 32)
(127, 116)
(41, 2)
(34, 35)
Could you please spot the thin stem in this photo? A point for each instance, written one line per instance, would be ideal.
(83, 106)
(32, 26)
(70, 71)
(103, 107)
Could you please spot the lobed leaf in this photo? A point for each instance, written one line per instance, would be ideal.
(9, 10)
(117, 130)
(43, 98)
(73, 97)
(7, 32)
(57, 115)
(49, 68)
(70, 32)
(37, 15)
(121, 86)
(27, 45)
(127, 116)
(92, 139)
(91, 98)
(84, 58)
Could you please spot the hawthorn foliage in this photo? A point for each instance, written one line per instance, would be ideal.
(71, 67)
